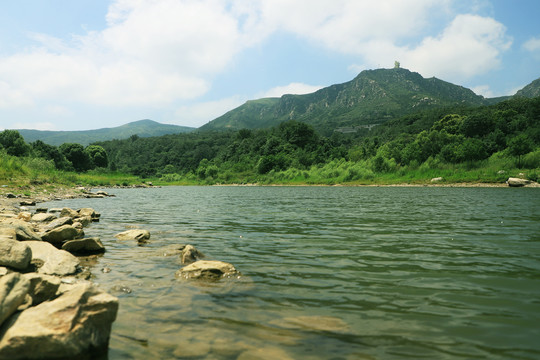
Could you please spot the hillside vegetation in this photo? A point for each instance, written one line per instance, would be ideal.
(373, 97)
(145, 128)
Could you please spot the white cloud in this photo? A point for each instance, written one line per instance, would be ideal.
(532, 45)
(200, 113)
(471, 45)
(483, 90)
(292, 88)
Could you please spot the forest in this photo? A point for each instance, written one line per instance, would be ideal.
(459, 144)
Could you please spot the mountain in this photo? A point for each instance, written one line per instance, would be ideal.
(530, 91)
(373, 97)
(142, 128)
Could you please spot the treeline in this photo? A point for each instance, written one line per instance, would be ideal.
(467, 135)
(442, 141)
(68, 156)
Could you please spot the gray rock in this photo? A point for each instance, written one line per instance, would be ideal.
(207, 270)
(43, 217)
(85, 246)
(54, 261)
(23, 230)
(61, 234)
(77, 323)
(134, 234)
(517, 182)
(89, 212)
(42, 287)
(65, 220)
(13, 291)
(11, 196)
(15, 254)
(83, 220)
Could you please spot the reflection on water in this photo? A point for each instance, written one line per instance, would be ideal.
(328, 272)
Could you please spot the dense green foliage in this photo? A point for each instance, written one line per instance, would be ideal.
(480, 143)
(507, 133)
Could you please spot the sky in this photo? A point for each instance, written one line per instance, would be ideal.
(89, 64)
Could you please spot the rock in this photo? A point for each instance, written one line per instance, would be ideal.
(517, 182)
(42, 287)
(27, 203)
(89, 212)
(501, 172)
(69, 212)
(54, 261)
(85, 246)
(65, 220)
(22, 229)
(61, 234)
(41, 210)
(7, 233)
(25, 216)
(11, 196)
(4, 271)
(190, 254)
(15, 254)
(55, 210)
(437, 179)
(207, 270)
(76, 324)
(134, 234)
(83, 220)
(13, 291)
(43, 217)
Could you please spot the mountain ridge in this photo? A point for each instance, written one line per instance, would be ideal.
(142, 128)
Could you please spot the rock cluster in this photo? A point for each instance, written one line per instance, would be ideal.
(42, 313)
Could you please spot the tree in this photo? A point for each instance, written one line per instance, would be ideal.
(97, 155)
(14, 143)
(50, 152)
(76, 155)
(520, 145)
(396, 64)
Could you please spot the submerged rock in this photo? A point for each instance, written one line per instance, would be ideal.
(15, 254)
(134, 234)
(207, 270)
(77, 323)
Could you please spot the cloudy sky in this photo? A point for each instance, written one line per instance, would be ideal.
(87, 64)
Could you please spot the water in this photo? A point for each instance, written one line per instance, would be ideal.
(328, 272)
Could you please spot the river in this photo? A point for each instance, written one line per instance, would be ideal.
(327, 272)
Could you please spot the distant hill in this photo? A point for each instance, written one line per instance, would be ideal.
(530, 91)
(373, 97)
(142, 128)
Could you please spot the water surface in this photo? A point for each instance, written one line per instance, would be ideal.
(328, 272)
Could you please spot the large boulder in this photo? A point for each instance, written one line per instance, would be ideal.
(42, 287)
(52, 261)
(7, 232)
(85, 246)
(15, 254)
(134, 234)
(517, 182)
(65, 220)
(207, 270)
(89, 212)
(69, 212)
(43, 217)
(60, 234)
(23, 230)
(77, 323)
(13, 291)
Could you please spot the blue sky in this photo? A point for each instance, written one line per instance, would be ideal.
(87, 64)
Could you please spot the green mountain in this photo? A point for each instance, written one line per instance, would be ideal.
(373, 97)
(142, 128)
(530, 91)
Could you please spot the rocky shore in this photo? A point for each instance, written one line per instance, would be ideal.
(48, 306)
